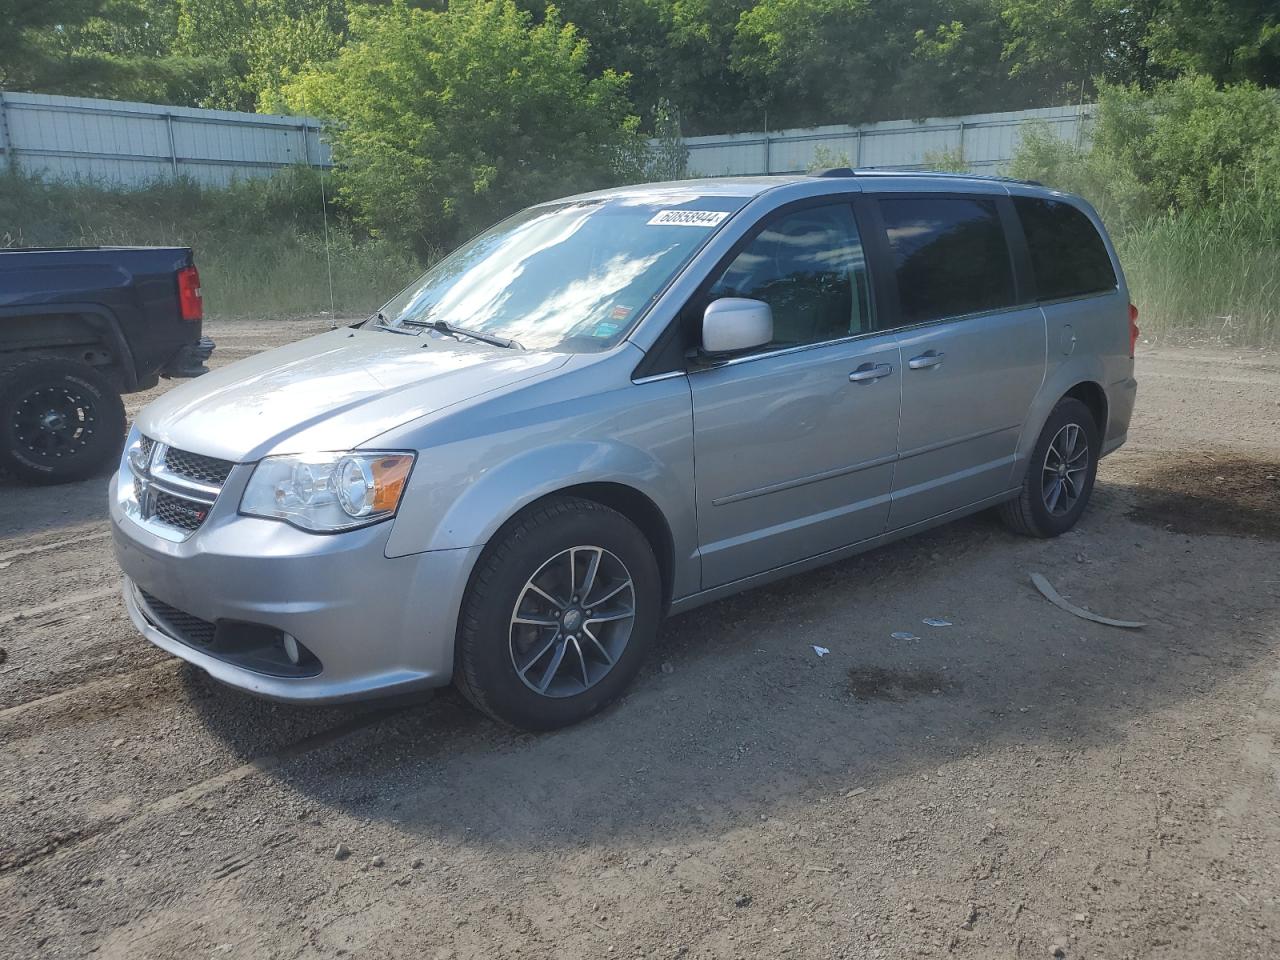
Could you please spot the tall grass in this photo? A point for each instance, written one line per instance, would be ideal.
(1186, 175)
(1210, 274)
(259, 245)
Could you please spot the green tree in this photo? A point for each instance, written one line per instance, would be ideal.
(98, 48)
(627, 36)
(714, 95)
(28, 43)
(832, 61)
(673, 50)
(445, 121)
(261, 43)
(1189, 143)
(1062, 47)
(955, 66)
(280, 48)
(809, 60)
(1229, 40)
(1186, 145)
(123, 28)
(668, 157)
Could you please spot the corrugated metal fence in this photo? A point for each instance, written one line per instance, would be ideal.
(130, 144)
(987, 141)
(65, 138)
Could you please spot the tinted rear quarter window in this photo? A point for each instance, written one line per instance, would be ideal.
(950, 256)
(1067, 254)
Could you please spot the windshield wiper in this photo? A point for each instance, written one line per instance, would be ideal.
(380, 322)
(444, 326)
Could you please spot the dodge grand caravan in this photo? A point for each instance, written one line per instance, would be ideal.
(617, 406)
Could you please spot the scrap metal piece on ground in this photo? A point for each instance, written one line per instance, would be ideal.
(1052, 595)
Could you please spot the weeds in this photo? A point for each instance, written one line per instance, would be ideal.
(1212, 274)
(259, 244)
(1187, 178)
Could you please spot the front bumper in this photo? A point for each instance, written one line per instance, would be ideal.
(378, 626)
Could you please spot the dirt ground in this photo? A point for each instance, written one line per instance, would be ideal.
(1021, 783)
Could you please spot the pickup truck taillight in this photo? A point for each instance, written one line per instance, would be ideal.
(190, 302)
(1133, 329)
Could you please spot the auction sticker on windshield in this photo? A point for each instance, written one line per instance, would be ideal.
(687, 218)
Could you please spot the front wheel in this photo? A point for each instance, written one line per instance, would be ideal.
(59, 420)
(1060, 475)
(560, 612)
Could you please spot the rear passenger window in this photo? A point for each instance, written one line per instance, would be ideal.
(950, 256)
(1067, 255)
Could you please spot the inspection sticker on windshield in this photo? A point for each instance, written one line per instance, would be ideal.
(687, 218)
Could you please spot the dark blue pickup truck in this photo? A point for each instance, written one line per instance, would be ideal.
(79, 326)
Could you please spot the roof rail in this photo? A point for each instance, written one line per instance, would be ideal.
(887, 172)
(884, 172)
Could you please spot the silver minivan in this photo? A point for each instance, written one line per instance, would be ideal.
(618, 406)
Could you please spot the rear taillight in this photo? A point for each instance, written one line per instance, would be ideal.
(1133, 329)
(190, 302)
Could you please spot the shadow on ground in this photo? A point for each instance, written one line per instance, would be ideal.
(27, 508)
(1209, 493)
(749, 721)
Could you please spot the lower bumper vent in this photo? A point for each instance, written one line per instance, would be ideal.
(179, 625)
(253, 646)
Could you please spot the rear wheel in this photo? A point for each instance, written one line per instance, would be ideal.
(1060, 476)
(59, 420)
(559, 615)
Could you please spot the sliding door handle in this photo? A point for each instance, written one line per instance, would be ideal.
(928, 359)
(869, 371)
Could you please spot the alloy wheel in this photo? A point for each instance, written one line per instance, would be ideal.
(572, 621)
(1066, 466)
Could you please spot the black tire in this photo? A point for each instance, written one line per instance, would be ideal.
(59, 420)
(1030, 514)
(488, 644)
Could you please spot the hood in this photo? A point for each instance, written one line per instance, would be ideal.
(331, 392)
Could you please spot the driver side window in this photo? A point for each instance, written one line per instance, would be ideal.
(808, 265)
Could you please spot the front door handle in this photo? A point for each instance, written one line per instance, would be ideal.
(929, 359)
(869, 371)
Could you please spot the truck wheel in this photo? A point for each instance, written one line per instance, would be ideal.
(559, 614)
(59, 420)
(1060, 475)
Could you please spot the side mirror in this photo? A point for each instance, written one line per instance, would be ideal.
(733, 324)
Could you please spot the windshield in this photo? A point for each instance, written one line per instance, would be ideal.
(568, 276)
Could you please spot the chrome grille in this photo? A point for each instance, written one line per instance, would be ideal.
(174, 490)
(179, 511)
(197, 466)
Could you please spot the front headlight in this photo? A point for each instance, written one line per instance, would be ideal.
(327, 492)
(136, 453)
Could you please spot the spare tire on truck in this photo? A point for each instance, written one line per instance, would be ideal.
(59, 420)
